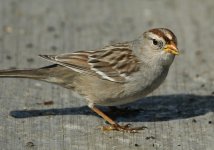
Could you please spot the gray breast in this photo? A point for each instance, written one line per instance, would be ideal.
(145, 82)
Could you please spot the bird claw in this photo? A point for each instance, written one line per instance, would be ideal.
(122, 128)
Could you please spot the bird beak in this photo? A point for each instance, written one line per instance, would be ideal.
(171, 48)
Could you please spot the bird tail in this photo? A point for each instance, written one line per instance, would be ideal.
(37, 74)
(52, 74)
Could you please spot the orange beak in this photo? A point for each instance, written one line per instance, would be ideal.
(171, 48)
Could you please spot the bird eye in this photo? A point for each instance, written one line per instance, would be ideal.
(158, 44)
(155, 42)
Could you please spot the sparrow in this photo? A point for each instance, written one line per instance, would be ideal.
(116, 74)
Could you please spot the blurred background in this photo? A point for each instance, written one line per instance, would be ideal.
(179, 115)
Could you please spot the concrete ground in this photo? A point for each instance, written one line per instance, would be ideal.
(37, 115)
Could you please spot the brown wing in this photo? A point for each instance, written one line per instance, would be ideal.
(113, 63)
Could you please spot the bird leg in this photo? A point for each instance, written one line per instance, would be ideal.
(114, 125)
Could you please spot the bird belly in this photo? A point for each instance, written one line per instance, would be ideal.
(134, 91)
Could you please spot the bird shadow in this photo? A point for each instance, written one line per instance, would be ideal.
(153, 108)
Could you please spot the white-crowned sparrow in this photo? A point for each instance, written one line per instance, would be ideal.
(117, 74)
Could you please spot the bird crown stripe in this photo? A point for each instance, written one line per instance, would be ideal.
(160, 33)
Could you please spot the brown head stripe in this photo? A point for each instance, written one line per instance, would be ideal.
(160, 33)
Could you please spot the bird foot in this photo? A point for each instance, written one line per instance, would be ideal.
(122, 128)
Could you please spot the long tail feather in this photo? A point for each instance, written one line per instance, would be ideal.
(28, 73)
(53, 74)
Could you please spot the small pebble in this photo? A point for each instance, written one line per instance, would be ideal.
(8, 29)
(150, 137)
(202, 85)
(156, 145)
(8, 57)
(194, 121)
(29, 45)
(30, 144)
(38, 84)
(54, 48)
(30, 60)
(51, 29)
(48, 103)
